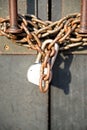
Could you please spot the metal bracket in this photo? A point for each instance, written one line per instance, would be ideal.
(6, 45)
(9, 47)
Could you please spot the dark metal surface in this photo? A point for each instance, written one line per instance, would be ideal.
(42, 9)
(56, 10)
(83, 24)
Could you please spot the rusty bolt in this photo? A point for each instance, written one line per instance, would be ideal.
(6, 47)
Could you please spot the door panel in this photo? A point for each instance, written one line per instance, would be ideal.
(69, 85)
(22, 106)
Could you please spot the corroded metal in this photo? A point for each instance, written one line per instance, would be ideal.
(13, 17)
(36, 30)
(83, 23)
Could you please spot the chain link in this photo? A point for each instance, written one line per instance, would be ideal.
(65, 32)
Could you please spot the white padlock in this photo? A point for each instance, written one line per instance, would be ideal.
(33, 74)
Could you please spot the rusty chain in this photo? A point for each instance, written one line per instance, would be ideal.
(65, 32)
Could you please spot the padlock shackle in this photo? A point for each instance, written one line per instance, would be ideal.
(46, 42)
(42, 47)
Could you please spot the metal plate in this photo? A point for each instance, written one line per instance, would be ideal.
(56, 9)
(6, 45)
(70, 6)
(62, 8)
(9, 47)
(69, 93)
(22, 105)
(69, 85)
(73, 7)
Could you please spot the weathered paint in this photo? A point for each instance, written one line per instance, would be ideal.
(69, 85)
(22, 106)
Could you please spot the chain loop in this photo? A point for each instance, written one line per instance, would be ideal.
(45, 78)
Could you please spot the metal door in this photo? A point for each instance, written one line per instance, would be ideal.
(22, 106)
(68, 90)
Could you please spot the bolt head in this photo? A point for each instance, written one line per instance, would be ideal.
(14, 30)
